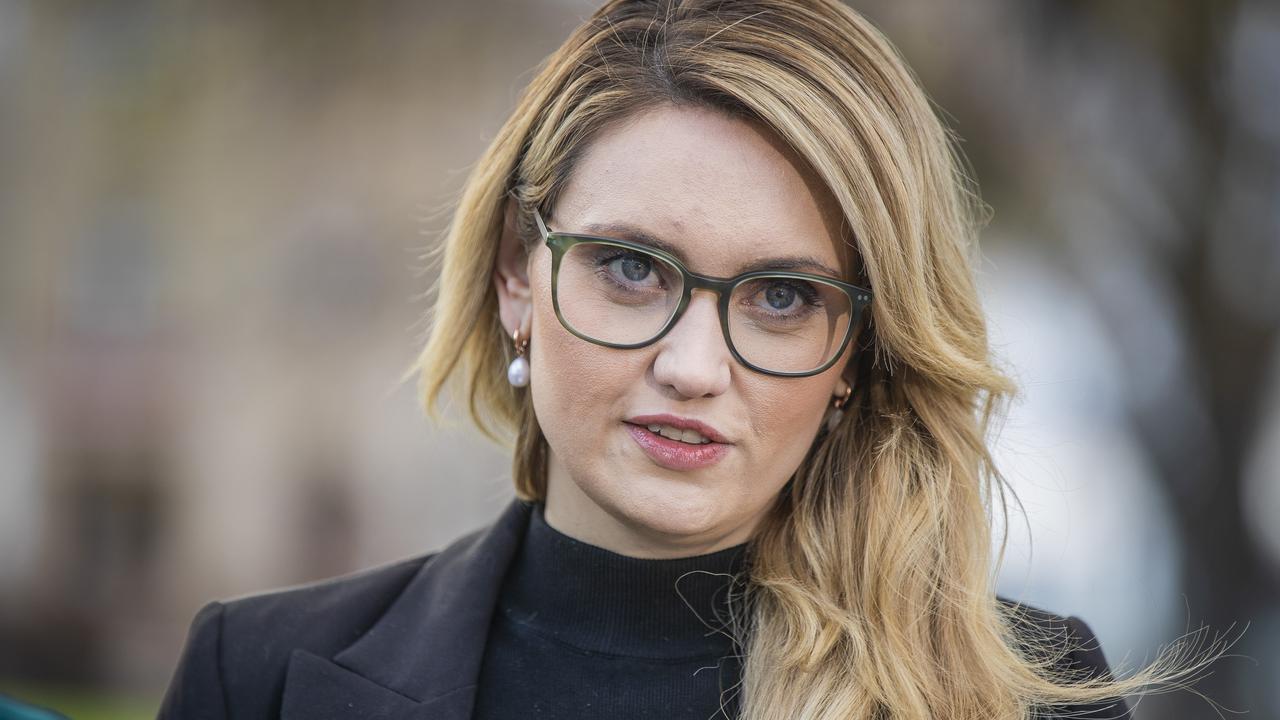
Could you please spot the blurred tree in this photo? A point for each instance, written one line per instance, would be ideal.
(1140, 139)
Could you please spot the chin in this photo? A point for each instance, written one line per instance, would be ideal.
(674, 508)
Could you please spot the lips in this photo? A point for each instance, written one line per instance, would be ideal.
(674, 454)
(703, 428)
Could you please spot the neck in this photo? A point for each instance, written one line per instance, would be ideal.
(598, 600)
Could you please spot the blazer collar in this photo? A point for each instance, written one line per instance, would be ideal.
(421, 659)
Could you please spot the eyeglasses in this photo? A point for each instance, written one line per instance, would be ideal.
(623, 294)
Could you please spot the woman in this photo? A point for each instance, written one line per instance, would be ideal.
(714, 274)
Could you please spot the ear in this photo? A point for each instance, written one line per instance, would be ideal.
(511, 277)
(842, 384)
(849, 371)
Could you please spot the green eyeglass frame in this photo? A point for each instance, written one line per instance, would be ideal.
(560, 242)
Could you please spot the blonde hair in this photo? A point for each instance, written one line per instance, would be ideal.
(870, 589)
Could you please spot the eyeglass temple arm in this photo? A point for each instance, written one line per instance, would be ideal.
(537, 216)
(542, 227)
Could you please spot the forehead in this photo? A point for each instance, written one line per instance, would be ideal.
(724, 192)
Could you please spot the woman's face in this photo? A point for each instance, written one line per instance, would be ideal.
(725, 194)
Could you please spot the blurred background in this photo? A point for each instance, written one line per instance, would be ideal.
(212, 220)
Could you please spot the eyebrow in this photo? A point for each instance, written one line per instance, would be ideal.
(786, 262)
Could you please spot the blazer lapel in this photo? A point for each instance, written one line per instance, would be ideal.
(421, 659)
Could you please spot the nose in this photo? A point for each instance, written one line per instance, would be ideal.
(693, 357)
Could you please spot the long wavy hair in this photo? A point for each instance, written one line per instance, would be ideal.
(871, 583)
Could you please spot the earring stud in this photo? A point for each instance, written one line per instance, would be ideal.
(518, 370)
(837, 414)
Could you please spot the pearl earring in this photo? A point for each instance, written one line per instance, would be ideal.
(838, 413)
(518, 370)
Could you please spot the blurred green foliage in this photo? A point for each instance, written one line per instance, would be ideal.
(80, 704)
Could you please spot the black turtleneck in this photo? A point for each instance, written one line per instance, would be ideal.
(584, 632)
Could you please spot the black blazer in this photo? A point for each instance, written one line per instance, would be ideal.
(401, 641)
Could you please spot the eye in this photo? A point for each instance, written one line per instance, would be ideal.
(631, 268)
(780, 296)
(784, 297)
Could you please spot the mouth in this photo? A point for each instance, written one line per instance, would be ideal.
(677, 454)
(684, 429)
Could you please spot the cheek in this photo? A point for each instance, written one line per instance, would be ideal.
(566, 371)
(786, 416)
(577, 387)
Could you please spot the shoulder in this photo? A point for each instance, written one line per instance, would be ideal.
(1084, 656)
(239, 648)
(319, 616)
(1030, 622)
